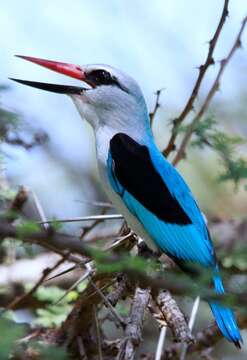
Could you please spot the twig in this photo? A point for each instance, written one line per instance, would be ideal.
(212, 91)
(202, 71)
(20, 299)
(40, 211)
(156, 106)
(87, 273)
(133, 331)
(107, 303)
(118, 242)
(84, 218)
(98, 333)
(195, 308)
(89, 228)
(82, 352)
(160, 346)
(118, 290)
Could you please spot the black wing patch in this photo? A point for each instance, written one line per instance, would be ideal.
(134, 170)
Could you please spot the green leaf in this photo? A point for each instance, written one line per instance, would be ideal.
(10, 332)
(53, 315)
(26, 229)
(49, 293)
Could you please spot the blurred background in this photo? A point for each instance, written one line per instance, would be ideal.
(161, 44)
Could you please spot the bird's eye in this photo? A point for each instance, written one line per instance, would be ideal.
(100, 77)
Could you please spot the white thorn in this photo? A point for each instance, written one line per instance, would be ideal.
(85, 218)
(190, 325)
(160, 346)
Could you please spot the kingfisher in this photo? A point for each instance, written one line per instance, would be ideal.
(141, 183)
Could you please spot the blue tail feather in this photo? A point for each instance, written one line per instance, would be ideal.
(225, 317)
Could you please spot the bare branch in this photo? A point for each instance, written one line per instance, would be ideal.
(133, 331)
(211, 93)
(156, 106)
(202, 71)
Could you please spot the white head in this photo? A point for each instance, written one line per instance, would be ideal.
(112, 97)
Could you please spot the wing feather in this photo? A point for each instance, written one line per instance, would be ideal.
(157, 195)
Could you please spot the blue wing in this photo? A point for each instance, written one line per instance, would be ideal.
(157, 195)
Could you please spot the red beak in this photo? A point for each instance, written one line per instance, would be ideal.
(71, 70)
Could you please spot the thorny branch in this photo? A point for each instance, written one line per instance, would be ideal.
(156, 106)
(202, 71)
(212, 91)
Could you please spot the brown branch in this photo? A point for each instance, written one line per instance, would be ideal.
(133, 331)
(202, 71)
(56, 242)
(17, 204)
(119, 290)
(156, 106)
(211, 93)
(64, 244)
(173, 316)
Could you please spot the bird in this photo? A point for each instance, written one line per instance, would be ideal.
(141, 183)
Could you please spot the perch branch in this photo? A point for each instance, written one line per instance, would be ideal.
(133, 331)
(173, 317)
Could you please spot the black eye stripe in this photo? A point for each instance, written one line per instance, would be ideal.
(103, 77)
(100, 77)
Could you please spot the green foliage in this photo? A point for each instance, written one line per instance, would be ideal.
(225, 145)
(8, 119)
(237, 258)
(10, 332)
(235, 167)
(122, 309)
(27, 228)
(6, 193)
(202, 132)
(53, 314)
(126, 262)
